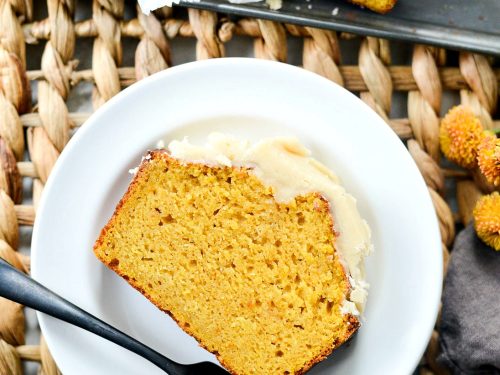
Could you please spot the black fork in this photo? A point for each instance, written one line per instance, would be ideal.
(18, 287)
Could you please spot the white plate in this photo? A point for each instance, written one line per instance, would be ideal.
(252, 99)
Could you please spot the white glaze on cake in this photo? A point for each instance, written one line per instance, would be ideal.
(285, 165)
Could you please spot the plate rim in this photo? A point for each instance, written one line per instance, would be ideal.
(93, 121)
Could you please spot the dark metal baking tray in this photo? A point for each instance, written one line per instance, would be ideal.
(472, 25)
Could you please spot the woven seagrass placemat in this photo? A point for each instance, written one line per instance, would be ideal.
(60, 60)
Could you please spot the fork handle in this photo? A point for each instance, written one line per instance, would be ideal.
(18, 287)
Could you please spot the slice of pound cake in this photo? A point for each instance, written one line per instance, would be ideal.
(255, 250)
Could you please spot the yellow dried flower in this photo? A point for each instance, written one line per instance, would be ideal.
(487, 219)
(459, 136)
(488, 158)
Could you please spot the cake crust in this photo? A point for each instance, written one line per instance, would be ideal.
(352, 321)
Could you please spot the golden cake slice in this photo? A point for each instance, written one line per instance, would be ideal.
(379, 6)
(253, 275)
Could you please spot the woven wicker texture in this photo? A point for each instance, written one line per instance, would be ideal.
(34, 131)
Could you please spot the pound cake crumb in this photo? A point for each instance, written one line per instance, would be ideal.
(257, 282)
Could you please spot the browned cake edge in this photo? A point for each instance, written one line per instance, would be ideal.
(152, 155)
(383, 10)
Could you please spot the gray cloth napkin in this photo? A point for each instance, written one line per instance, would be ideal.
(470, 324)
